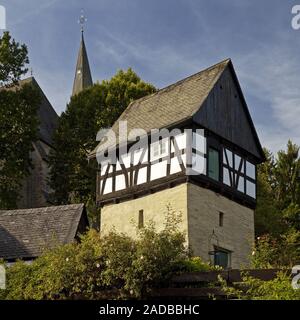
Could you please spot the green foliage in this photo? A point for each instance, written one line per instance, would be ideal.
(100, 266)
(255, 289)
(193, 264)
(18, 121)
(280, 252)
(277, 216)
(287, 176)
(99, 106)
(278, 198)
(267, 215)
(155, 258)
(13, 59)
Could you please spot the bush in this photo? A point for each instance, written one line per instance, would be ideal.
(193, 264)
(282, 252)
(254, 289)
(111, 266)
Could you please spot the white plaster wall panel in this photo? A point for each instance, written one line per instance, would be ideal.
(229, 156)
(108, 186)
(183, 158)
(199, 142)
(142, 176)
(138, 158)
(175, 166)
(181, 142)
(226, 177)
(250, 189)
(118, 166)
(250, 170)
(241, 185)
(126, 159)
(199, 164)
(158, 170)
(120, 182)
(104, 167)
(237, 161)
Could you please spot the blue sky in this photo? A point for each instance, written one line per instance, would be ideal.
(166, 40)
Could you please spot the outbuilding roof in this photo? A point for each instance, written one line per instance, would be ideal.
(25, 233)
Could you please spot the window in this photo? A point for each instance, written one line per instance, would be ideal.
(222, 258)
(221, 219)
(159, 149)
(214, 164)
(141, 219)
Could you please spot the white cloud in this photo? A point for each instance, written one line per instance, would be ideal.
(272, 74)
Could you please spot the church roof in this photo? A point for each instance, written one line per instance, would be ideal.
(25, 233)
(48, 118)
(83, 77)
(170, 105)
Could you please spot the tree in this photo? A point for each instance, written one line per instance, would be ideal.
(268, 218)
(277, 216)
(18, 120)
(287, 176)
(278, 197)
(72, 177)
(13, 59)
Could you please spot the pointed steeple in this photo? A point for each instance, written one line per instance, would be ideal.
(83, 77)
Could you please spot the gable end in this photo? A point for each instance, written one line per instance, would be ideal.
(226, 114)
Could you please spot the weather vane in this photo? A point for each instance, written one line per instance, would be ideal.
(82, 20)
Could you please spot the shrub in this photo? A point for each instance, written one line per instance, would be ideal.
(193, 264)
(154, 260)
(100, 266)
(255, 289)
(282, 252)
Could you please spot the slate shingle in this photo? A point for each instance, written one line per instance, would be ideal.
(24, 234)
(173, 104)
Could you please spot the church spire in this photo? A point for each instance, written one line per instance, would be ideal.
(83, 77)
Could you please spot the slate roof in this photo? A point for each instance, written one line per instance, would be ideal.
(47, 116)
(173, 104)
(25, 233)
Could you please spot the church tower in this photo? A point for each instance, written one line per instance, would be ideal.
(83, 77)
(203, 166)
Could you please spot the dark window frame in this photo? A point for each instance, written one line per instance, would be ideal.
(218, 250)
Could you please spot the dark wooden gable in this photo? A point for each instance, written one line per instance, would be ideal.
(225, 113)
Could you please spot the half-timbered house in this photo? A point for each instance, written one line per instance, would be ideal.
(205, 169)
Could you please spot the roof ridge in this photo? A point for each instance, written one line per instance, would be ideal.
(162, 109)
(179, 81)
(40, 209)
